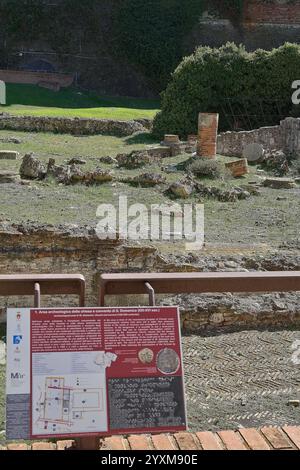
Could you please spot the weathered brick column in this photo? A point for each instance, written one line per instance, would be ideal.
(207, 135)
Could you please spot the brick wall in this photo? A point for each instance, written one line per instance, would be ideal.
(258, 11)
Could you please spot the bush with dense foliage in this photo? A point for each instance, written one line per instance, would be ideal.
(206, 168)
(248, 90)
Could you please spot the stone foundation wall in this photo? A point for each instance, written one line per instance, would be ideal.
(73, 126)
(47, 249)
(285, 137)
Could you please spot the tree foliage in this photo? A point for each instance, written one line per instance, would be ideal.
(248, 90)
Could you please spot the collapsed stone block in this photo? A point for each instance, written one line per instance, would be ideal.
(100, 176)
(171, 139)
(181, 190)
(9, 155)
(32, 168)
(149, 179)
(280, 183)
(238, 167)
(134, 160)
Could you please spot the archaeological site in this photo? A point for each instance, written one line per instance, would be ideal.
(149, 227)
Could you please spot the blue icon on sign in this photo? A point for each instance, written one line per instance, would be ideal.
(17, 339)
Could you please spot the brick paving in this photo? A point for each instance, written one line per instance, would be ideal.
(267, 438)
(241, 379)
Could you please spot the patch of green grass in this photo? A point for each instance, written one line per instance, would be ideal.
(32, 100)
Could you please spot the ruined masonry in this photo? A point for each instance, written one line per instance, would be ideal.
(207, 135)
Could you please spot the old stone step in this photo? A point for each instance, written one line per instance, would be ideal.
(280, 183)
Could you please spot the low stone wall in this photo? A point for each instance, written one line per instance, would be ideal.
(36, 78)
(67, 249)
(285, 137)
(73, 126)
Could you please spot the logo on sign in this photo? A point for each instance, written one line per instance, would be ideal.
(17, 339)
(17, 376)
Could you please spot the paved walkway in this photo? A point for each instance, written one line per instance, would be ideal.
(287, 438)
(242, 379)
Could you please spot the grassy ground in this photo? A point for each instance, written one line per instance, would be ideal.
(32, 100)
(259, 220)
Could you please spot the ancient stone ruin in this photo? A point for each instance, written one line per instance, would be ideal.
(207, 135)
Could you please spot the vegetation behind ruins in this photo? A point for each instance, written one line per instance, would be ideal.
(248, 90)
(151, 36)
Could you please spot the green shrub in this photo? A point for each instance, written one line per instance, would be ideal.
(206, 168)
(248, 90)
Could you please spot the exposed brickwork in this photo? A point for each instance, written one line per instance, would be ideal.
(257, 11)
(186, 441)
(209, 441)
(293, 432)
(65, 445)
(277, 438)
(207, 135)
(238, 167)
(243, 439)
(18, 447)
(254, 439)
(164, 442)
(43, 446)
(232, 440)
(140, 442)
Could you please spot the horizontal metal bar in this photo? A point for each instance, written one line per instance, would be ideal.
(50, 284)
(193, 283)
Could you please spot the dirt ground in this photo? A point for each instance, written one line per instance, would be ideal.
(271, 218)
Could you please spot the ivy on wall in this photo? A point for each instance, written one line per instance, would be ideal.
(151, 34)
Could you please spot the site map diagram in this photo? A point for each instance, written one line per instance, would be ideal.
(70, 403)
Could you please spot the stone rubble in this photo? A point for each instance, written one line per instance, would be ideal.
(32, 167)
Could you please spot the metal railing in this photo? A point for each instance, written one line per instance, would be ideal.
(196, 283)
(43, 284)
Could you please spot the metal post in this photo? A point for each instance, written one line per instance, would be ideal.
(82, 295)
(37, 295)
(151, 293)
(102, 294)
(87, 443)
